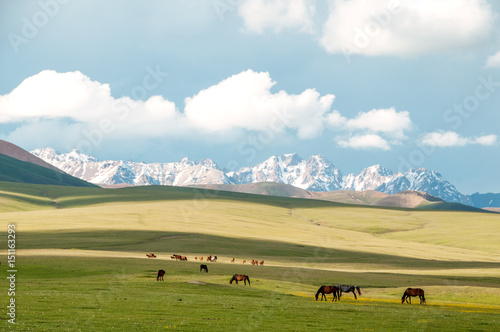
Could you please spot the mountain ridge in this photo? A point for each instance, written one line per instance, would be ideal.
(316, 174)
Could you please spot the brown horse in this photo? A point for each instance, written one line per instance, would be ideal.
(232, 260)
(240, 277)
(261, 263)
(151, 255)
(409, 292)
(328, 290)
(159, 275)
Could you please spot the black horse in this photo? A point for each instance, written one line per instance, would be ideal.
(348, 289)
(203, 267)
(328, 290)
(159, 275)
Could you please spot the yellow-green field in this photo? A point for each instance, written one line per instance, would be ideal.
(99, 238)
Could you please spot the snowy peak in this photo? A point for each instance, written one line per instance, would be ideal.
(315, 174)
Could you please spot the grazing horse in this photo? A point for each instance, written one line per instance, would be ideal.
(328, 290)
(348, 289)
(213, 259)
(183, 258)
(240, 277)
(201, 258)
(175, 256)
(409, 292)
(151, 255)
(195, 258)
(261, 263)
(244, 261)
(232, 260)
(209, 258)
(159, 275)
(203, 267)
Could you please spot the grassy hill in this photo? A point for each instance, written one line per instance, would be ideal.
(14, 170)
(82, 256)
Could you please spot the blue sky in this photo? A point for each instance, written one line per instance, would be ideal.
(398, 83)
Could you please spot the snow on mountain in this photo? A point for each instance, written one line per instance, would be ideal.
(369, 179)
(315, 174)
(185, 172)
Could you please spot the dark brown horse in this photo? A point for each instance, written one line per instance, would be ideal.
(409, 292)
(159, 275)
(203, 267)
(240, 277)
(328, 290)
(151, 255)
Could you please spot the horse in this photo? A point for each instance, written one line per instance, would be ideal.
(244, 261)
(240, 277)
(203, 267)
(151, 255)
(183, 258)
(160, 274)
(201, 258)
(232, 260)
(195, 258)
(328, 290)
(348, 289)
(213, 259)
(175, 256)
(409, 292)
(261, 263)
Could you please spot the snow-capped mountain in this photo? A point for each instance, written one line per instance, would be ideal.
(315, 174)
(183, 173)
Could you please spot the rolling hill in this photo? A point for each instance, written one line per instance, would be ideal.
(18, 165)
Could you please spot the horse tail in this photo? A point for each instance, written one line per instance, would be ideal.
(423, 297)
(359, 290)
(248, 281)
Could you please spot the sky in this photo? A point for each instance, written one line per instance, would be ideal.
(400, 83)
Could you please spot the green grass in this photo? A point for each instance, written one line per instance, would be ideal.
(82, 266)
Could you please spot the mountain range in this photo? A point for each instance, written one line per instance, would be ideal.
(315, 174)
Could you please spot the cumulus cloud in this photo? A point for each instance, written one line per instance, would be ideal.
(405, 27)
(245, 101)
(366, 142)
(493, 61)
(50, 95)
(451, 138)
(72, 105)
(386, 121)
(378, 128)
(277, 15)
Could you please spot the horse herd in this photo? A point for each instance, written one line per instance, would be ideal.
(339, 289)
(209, 259)
(323, 290)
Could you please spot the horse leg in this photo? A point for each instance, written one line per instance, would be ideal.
(355, 297)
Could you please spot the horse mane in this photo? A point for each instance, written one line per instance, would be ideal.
(319, 291)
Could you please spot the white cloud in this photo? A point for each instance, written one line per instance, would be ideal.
(386, 121)
(405, 27)
(451, 138)
(493, 61)
(277, 15)
(245, 101)
(366, 142)
(73, 96)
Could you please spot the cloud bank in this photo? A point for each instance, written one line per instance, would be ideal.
(451, 138)
(405, 28)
